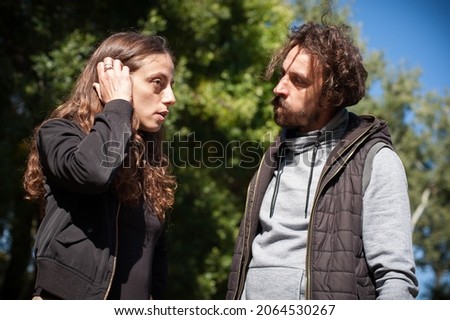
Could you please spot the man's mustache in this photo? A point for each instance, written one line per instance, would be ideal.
(279, 102)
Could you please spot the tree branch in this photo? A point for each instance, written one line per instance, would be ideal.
(421, 207)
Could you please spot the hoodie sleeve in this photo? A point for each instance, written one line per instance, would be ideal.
(84, 163)
(387, 234)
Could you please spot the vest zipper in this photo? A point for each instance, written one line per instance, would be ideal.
(246, 241)
(308, 295)
(115, 257)
(280, 169)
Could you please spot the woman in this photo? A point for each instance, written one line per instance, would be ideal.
(98, 164)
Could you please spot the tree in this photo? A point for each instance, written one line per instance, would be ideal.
(32, 83)
(432, 220)
(216, 132)
(221, 114)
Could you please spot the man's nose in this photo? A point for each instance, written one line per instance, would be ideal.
(281, 88)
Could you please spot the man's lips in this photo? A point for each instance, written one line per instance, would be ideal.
(278, 102)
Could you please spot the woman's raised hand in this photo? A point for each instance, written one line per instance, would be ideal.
(114, 81)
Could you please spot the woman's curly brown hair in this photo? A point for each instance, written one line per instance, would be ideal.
(341, 62)
(145, 173)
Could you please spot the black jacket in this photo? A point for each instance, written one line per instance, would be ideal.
(76, 243)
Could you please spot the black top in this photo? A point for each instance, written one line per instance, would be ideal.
(138, 234)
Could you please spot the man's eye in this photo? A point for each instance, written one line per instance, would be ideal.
(157, 82)
(299, 81)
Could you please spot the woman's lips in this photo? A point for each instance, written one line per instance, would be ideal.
(162, 115)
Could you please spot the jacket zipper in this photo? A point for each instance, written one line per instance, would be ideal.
(115, 257)
(313, 209)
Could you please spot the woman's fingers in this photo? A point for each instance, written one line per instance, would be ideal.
(114, 80)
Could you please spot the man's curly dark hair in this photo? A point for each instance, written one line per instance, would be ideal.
(344, 74)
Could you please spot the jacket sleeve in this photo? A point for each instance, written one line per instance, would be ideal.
(387, 232)
(84, 163)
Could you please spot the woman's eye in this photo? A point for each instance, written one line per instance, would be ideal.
(157, 82)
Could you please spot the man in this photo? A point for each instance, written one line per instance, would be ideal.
(320, 221)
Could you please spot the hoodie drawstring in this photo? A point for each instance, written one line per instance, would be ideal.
(313, 164)
(280, 168)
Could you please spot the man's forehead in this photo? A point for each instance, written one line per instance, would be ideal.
(301, 62)
(298, 57)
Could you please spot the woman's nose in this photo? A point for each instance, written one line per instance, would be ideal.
(169, 97)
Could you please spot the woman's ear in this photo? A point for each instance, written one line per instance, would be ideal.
(96, 87)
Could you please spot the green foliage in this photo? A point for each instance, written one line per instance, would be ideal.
(432, 232)
(222, 113)
(57, 70)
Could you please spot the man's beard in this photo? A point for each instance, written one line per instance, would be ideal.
(285, 117)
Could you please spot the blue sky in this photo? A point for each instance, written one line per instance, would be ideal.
(412, 32)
